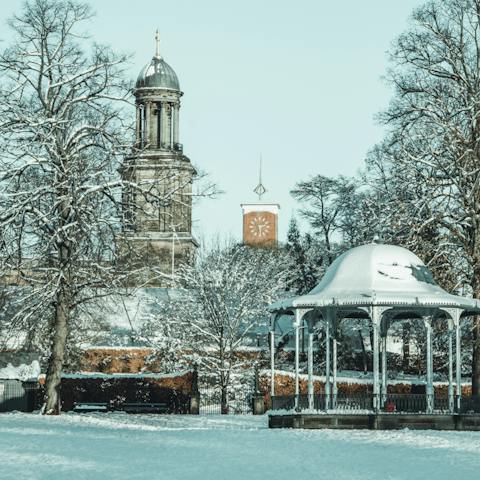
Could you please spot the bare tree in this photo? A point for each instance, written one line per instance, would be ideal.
(434, 138)
(220, 302)
(63, 135)
(324, 198)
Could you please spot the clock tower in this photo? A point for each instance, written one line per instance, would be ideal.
(260, 220)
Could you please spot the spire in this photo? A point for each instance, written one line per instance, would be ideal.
(260, 190)
(157, 45)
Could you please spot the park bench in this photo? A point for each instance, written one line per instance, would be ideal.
(91, 407)
(128, 407)
(144, 407)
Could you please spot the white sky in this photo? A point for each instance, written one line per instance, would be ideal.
(298, 82)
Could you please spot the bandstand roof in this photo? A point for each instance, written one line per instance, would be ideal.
(377, 274)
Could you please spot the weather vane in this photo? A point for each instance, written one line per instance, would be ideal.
(157, 41)
(260, 190)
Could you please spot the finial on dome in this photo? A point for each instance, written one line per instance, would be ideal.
(157, 43)
(376, 238)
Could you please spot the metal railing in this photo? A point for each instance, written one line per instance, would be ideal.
(441, 404)
(408, 403)
(16, 395)
(211, 403)
(358, 401)
(340, 401)
(390, 403)
(470, 405)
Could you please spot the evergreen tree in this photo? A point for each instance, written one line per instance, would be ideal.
(305, 260)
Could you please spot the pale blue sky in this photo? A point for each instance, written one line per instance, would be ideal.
(298, 82)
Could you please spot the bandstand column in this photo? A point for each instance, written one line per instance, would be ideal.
(458, 363)
(297, 359)
(451, 399)
(384, 370)
(375, 325)
(327, 363)
(429, 389)
(272, 357)
(334, 372)
(310, 370)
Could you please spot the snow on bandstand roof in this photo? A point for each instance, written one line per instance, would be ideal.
(377, 274)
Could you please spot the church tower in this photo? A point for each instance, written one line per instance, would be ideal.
(158, 223)
(260, 220)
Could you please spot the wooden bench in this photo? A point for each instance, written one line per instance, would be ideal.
(127, 407)
(144, 407)
(91, 407)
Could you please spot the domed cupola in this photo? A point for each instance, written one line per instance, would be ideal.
(158, 73)
(157, 94)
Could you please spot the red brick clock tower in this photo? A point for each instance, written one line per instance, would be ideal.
(260, 224)
(260, 220)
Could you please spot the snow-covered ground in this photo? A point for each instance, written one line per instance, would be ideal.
(120, 446)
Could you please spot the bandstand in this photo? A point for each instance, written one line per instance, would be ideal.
(382, 284)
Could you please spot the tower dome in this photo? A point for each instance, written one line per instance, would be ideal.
(158, 73)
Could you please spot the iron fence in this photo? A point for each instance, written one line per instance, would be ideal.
(211, 402)
(16, 395)
(408, 403)
(441, 403)
(390, 403)
(470, 405)
(358, 401)
(339, 401)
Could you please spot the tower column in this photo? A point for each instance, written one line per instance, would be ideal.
(165, 125)
(147, 124)
(170, 124)
(176, 137)
(138, 130)
(158, 123)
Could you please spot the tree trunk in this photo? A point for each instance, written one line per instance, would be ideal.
(223, 379)
(224, 401)
(55, 362)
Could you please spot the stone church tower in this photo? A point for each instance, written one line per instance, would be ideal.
(158, 223)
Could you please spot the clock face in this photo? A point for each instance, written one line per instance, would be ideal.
(259, 226)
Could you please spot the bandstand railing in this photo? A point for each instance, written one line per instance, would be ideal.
(339, 401)
(363, 403)
(470, 405)
(409, 403)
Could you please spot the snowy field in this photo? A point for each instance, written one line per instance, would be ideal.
(118, 446)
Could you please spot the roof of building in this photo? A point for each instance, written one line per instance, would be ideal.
(377, 274)
(158, 74)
